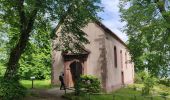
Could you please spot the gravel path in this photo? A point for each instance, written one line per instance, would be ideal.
(46, 94)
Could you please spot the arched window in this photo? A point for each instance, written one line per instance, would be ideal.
(115, 56)
(126, 59)
(121, 60)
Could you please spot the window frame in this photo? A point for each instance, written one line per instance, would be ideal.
(115, 57)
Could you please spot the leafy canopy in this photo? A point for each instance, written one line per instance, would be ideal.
(72, 14)
(148, 29)
(20, 19)
(36, 61)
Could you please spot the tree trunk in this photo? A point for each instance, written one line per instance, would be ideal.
(12, 65)
(26, 25)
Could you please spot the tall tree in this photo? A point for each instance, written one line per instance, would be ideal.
(22, 18)
(148, 29)
(36, 60)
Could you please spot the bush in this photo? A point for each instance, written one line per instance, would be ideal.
(39, 71)
(149, 83)
(2, 70)
(35, 63)
(164, 94)
(165, 82)
(88, 84)
(11, 90)
(140, 76)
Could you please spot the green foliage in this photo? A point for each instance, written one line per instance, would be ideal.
(36, 61)
(26, 25)
(140, 76)
(149, 83)
(3, 50)
(26, 22)
(120, 94)
(164, 94)
(71, 14)
(39, 71)
(2, 70)
(147, 26)
(165, 82)
(147, 79)
(88, 84)
(11, 90)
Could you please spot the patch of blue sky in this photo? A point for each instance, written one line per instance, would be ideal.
(111, 18)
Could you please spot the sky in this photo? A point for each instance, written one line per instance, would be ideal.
(111, 17)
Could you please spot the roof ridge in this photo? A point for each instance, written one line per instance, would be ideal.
(106, 29)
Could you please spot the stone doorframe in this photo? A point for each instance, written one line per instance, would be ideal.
(67, 72)
(68, 60)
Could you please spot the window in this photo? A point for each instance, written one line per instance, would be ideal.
(126, 59)
(121, 60)
(115, 56)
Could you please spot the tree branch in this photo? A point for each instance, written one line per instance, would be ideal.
(61, 21)
(23, 19)
(33, 15)
(161, 7)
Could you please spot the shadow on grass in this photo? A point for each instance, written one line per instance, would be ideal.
(121, 94)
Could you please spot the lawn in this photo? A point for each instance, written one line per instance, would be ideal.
(38, 84)
(127, 93)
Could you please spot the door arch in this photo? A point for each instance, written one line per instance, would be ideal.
(76, 70)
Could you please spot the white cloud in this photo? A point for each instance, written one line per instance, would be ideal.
(111, 17)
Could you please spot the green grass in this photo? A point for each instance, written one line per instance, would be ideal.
(38, 84)
(127, 93)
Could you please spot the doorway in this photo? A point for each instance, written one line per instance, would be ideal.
(76, 70)
(122, 75)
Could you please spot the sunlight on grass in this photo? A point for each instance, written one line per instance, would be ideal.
(127, 93)
(39, 84)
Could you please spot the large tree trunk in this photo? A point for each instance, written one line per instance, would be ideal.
(12, 66)
(26, 25)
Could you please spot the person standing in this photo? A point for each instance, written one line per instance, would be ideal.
(61, 78)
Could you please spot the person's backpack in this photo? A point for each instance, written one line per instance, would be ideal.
(60, 78)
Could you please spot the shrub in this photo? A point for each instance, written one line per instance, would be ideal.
(39, 71)
(140, 76)
(149, 83)
(88, 84)
(164, 94)
(165, 82)
(137, 79)
(2, 70)
(11, 90)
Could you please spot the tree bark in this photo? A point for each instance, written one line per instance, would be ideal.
(15, 55)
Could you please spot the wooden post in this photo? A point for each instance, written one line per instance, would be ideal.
(165, 97)
(64, 89)
(32, 84)
(113, 97)
(89, 96)
(32, 78)
(134, 97)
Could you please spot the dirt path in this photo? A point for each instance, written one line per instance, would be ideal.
(46, 94)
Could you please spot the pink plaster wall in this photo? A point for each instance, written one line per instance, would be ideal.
(101, 58)
(57, 67)
(114, 76)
